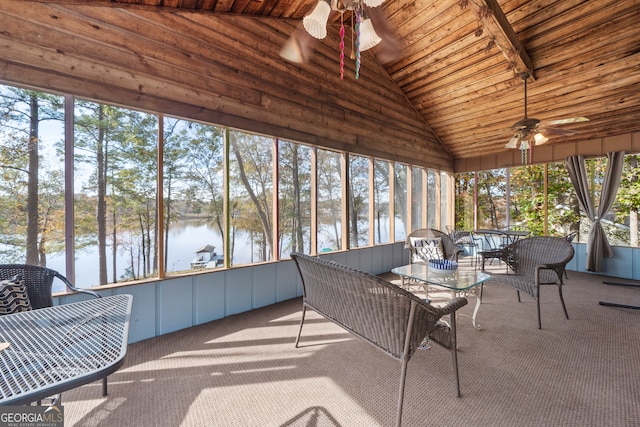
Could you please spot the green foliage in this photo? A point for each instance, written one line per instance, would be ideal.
(464, 190)
(294, 190)
(251, 187)
(491, 186)
(25, 160)
(329, 199)
(628, 197)
(358, 201)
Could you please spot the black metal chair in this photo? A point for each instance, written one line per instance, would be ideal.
(468, 240)
(38, 282)
(493, 250)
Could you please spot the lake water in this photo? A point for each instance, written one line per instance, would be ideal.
(185, 239)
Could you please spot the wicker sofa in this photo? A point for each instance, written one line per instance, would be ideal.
(377, 311)
(536, 261)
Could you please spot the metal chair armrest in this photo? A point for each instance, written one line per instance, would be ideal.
(74, 289)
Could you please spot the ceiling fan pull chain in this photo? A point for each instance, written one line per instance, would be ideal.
(358, 21)
(341, 46)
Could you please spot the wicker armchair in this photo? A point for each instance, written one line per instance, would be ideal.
(381, 313)
(38, 282)
(536, 261)
(449, 249)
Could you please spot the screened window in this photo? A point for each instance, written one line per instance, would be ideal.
(121, 234)
(464, 188)
(251, 197)
(329, 201)
(400, 201)
(445, 194)
(417, 198)
(294, 191)
(382, 200)
(432, 199)
(115, 183)
(358, 201)
(492, 200)
(31, 178)
(193, 195)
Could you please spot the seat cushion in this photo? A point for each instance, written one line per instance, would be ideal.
(427, 248)
(13, 297)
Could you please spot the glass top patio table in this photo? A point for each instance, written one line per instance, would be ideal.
(458, 280)
(461, 282)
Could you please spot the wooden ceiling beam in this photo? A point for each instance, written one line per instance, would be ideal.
(502, 34)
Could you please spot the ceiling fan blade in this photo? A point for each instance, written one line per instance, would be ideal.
(565, 121)
(299, 47)
(556, 131)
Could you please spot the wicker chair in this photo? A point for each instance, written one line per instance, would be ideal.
(38, 282)
(569, 238)
(536, 261)
(449, 249)
(381, 313)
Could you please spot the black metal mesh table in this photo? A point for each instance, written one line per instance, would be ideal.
(62, 347)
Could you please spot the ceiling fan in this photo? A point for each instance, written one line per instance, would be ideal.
(363, 16)
(530, 131)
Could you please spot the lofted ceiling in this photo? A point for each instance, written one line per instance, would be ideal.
(458, 62)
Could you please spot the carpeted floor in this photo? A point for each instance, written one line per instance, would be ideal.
(245, 371)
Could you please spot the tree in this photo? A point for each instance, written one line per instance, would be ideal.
(400, 192)
(491, 198)
(253, 168)
(329, 170)
(358, 200)
(381, 196)
(205, 178)
(22, 114)
(464, 201)
(628, 198)
(527, 198)
(294, 189)
(115, 150)
(175, 149)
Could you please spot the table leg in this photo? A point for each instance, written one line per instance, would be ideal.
(475, 309)
(476, 293)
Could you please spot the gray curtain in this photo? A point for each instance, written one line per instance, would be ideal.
(597, 246)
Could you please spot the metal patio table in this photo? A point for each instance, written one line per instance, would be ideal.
(58, 348)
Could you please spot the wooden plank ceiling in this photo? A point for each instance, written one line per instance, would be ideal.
(458, 61)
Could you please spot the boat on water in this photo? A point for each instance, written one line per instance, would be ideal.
(206, 257)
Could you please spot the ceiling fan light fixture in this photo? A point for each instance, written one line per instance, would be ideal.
(368, 36)
(540, 138)
(513, 142)
(316, 22)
